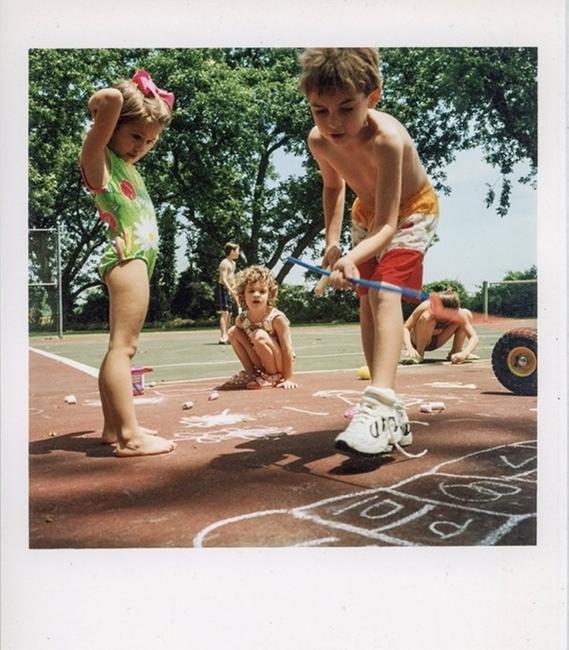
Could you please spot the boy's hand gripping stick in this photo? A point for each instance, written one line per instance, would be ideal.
(439, 311)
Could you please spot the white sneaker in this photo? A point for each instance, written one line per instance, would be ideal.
(407, 437)
(379, 423)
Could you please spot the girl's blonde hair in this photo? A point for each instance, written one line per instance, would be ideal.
(137, 106)
(450, 299)
(253, 275)
(332, 69)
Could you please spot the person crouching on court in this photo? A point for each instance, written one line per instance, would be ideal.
(261, 337)
(422, 332)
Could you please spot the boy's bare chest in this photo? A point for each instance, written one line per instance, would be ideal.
(359, 170)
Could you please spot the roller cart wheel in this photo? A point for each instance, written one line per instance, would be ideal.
(514, 361)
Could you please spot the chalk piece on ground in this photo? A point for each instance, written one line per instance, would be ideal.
(432, 407)
(350, 412)
(213, 396)
(188, 405)
(70, 399)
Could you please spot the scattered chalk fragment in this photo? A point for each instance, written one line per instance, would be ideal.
(213, 396)
(187, 405)
(432, 407)
(350, 412)
(70, 399)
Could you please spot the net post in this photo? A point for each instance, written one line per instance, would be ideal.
(485, 294)
(59, 291)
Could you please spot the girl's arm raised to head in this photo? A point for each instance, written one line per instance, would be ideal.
(105, 107)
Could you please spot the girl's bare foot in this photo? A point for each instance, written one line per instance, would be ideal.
(110, 438)
(148, 432)
(145, 445)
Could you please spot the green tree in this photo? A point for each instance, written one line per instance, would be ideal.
(213, 173)
(518, 300)
(458, 98)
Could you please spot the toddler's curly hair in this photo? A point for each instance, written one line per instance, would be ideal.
(253, 275)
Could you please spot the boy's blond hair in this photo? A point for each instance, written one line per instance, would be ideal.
(332, 69)
(253, 275)
(137, 106)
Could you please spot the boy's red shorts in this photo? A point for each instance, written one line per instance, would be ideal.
(402, 267)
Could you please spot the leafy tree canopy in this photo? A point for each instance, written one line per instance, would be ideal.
(212, 175)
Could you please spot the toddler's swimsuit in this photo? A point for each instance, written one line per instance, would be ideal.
(266, 324)
(125, 207)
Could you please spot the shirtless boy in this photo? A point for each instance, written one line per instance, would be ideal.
(394, 218)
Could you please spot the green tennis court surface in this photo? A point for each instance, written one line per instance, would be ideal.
(195, 354)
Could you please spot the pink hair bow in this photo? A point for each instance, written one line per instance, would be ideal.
(144, 81)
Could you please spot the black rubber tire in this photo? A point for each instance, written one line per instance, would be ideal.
(514, 361)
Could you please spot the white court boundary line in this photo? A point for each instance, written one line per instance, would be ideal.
(89, 370)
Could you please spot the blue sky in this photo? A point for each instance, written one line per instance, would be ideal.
(475, 243)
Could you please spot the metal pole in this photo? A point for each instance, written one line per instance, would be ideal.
(485, 294)
(59, 290)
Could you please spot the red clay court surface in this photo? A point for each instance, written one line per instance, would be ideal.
(259, 468)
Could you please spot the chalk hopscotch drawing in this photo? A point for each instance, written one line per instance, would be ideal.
(306, 412)
(222, 435)
(451, 384)
(349, 396)
(480, 497)
(352, 397)
(224, 430)
(209, 421)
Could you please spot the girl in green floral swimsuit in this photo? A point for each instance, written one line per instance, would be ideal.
(127, 122)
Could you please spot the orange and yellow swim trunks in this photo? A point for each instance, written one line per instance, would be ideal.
(401, 262)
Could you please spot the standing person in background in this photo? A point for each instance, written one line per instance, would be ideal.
(225, 289)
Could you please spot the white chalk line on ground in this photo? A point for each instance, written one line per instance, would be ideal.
(317, 542)
(292, 408)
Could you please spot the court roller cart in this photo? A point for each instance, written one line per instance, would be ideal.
(514, 361)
